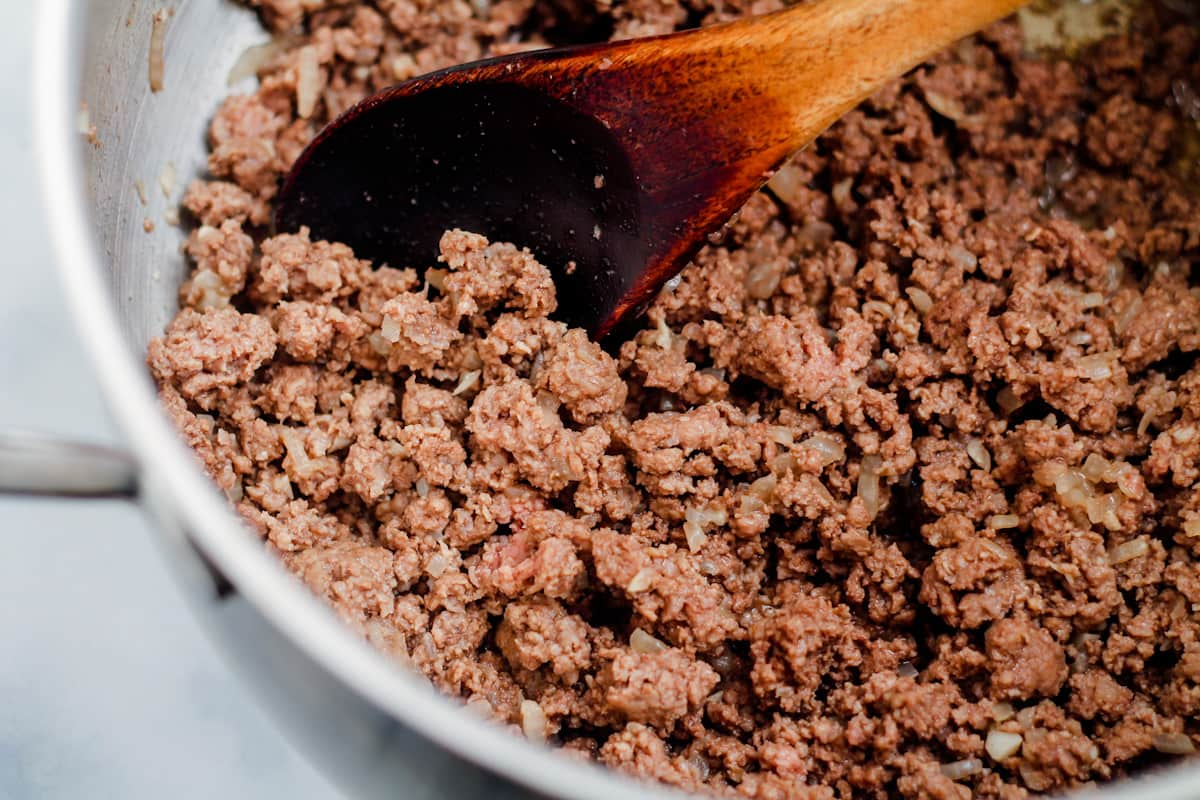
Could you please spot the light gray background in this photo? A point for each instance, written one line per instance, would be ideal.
(108, 689)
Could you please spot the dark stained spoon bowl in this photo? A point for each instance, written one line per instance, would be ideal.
(611, 162)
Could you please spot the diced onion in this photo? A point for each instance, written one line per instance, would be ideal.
(705, 516)
(783, 464)
(380, 343)
(166, 180)
(1008, 401)
(816, 231)
(957, 770)
(390, 329)
(1048, 472)
(83, 121)
(256, 57)
(979, 454)
(1094, 467)
(293, 441)
(641, 581)
(920, 298)
(1176, 744)
(788, 185)
(1146, 421)
(751, 505)
(877, 307)
(1097, 367)
(1002, 711)
(830, 449)
(403, 67)
(663, 336)
(158, 39)
(549, 405)
(308, 80)
(1001, 745)
(467, 382)
(1128, 315)
(477, 704)
(1128, 551)
(644, 643)
(764, 488)
(1000, 522)
(1103, 510)
(763, 279)
(996, 549)
(1072, 488)
(841, 191)
(948, 107)
(964, 257)
(781, 435)
(868, 484)
(907, 670)
(533, 721)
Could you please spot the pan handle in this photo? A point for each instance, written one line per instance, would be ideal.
(50, 466)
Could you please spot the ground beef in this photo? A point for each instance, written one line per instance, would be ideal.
(905, 461)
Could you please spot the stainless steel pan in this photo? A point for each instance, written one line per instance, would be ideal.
(374, 728)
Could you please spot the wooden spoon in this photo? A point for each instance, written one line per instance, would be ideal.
(611, 162)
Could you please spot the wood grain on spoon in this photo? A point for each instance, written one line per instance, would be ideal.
(616, 159)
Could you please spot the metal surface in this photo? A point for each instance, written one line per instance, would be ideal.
(41, 465)
(375, 728)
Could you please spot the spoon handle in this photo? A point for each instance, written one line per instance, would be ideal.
(756, 90)
(818, 60)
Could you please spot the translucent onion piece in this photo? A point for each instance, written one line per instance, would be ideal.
(533, 721)
(642, 642)
(641, 581)
(467, 382)
(308, 80)
(979, 454)
(1176, 744)
(828, 446)
(1094, 467)
(764, 488)
(1128, 551)
(1001, 745)
(868, 484)
(948, 107)
(158, 40)
(957, 770)
(789, 185)
(920, 298)
(1008, 401)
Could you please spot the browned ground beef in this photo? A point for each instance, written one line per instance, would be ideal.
(908, 460)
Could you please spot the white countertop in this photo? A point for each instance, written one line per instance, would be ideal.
(108, 689)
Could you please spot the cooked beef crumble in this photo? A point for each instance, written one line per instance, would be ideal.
(896, 493)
